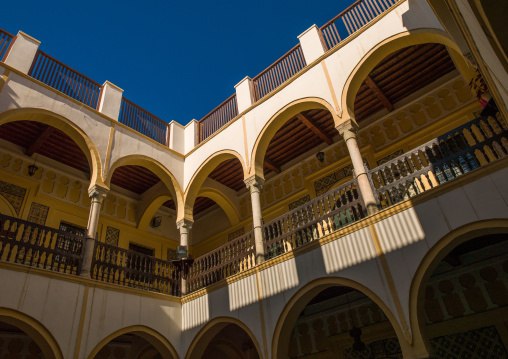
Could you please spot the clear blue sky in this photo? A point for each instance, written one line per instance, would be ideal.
(178, 60)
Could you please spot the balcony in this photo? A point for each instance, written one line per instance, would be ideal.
(452, 156)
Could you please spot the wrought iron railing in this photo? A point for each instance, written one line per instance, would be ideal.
(353, 19)
(315, 219)
(132, 269)
(217, 118)
(64, 79)
(227, 260)
(449, 156)
(39, 246)
(144, 122)
(5, 42)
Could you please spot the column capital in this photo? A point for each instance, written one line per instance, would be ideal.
(184, 223)
(97, 192)
(347, 129)
(254, 181)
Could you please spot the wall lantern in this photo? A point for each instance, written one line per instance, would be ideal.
(320, 156)
(32, 168)
(355, 333)
(156, 221)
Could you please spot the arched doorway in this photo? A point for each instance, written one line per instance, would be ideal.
(224, 338)
(137, 342)
(337, 317)
(463, 298)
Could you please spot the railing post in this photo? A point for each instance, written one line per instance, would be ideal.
(22, 52)
(311, 42)
(184, 226)
(254, 184)
(110, 100)
(244, 94)
(96, 194)
(348, 130)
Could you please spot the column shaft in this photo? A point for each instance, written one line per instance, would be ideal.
(254, 184)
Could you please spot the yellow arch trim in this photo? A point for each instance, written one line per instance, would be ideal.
(36, 330)
(71, 129)
(151, 209)
(223, 201)
(164, 347)
(157, 168)
(201, 174)
(210, 330)
(434, 256)
(388, 46)
(277, 121)
(7, 208)
(299, 300)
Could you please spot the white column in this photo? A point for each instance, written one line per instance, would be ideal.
(348, 131)
(244, 95)
(312, 44)
(184, 226)
(110, 100)
(22, 53)
(254, 184)
(96, 194)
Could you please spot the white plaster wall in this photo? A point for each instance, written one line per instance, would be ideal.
(126, 143)
(20, 92)
(54, 303)
(109, 311)
(408, 236)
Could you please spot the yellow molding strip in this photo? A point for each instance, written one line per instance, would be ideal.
(81, 323)
(3, 79)
(330, 87)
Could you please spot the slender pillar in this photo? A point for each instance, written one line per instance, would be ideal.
(348, 131)
(96, 194)
(184, 226)
(254, 184)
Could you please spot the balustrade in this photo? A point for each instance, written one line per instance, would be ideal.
(315, 219)
(227, 260)
(5, 41)
(132, 269)
(451, 155)
(39, 246)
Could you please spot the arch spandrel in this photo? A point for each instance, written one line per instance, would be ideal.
(434, 256)
(276, 122)
(157, 340)
(35, 330)
(388, 46)
(199, 177)
(78, 135)
(157, 168)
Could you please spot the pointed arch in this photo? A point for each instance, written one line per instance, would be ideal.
(201, 174)
(210, 330)
(276, 122)
(435, 255)
(157, 168)
(388, 46)
(157, 340)
(293, 308)
(35, 330)
(69, 128)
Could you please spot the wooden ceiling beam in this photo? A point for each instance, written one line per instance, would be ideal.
(272, 166)
(314, 129)
(379, 94)
(36, 145)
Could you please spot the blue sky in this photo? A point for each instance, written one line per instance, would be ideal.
(178, 60)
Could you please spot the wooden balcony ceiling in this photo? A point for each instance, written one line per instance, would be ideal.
(399, 75)
(201, 204)
(36, 137)
(136, 179)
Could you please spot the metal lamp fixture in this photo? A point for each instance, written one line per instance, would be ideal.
(355, 333)
(320, 156)
(32, 168)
